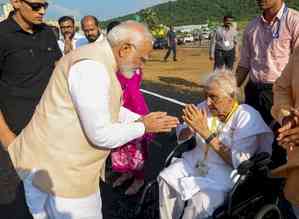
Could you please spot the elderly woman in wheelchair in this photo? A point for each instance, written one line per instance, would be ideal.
(227, 133)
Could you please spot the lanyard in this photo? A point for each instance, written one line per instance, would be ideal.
(215, 128)
(225, 33)
(275, 35)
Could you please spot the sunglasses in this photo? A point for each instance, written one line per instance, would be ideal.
(36, 6)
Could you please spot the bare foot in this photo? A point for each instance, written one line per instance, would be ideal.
(120, 180)
(135, 187)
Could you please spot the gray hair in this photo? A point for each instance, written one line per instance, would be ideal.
(129, 31)
(225, 81)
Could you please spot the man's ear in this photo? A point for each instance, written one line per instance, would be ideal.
(16, 4)
(124, 49)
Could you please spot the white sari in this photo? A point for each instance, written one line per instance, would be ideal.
(245, 133)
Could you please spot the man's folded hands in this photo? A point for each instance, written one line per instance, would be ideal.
(159, 122)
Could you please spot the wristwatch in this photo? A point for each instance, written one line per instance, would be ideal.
(210, 138)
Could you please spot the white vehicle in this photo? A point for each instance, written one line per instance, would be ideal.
(205, 35)
(188, 38)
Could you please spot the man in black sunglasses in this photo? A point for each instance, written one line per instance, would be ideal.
(37, 6)
(31, 11)
(28, 52)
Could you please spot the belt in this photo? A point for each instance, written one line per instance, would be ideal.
(222, 50)
(260, 85)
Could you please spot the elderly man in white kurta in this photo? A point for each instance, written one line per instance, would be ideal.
(227, 133)
(78, 121)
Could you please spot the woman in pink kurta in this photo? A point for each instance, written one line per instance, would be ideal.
(129, 159)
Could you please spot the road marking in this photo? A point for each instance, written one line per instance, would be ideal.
(163, 97)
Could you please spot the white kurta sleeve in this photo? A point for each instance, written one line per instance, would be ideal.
(89, 88)
(251, 135)
(127, 116)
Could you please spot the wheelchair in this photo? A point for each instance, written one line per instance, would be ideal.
(255, 195)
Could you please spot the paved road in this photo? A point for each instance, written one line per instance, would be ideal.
(115, 204)
(118, 206)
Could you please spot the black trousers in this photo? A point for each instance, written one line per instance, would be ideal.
(18, 208)
(12, 195)
(224, 59)
(260, 97)
(173, 49)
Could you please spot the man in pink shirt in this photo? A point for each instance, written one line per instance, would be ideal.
(267, 44)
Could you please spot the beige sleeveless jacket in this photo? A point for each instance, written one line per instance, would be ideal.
(54, 141)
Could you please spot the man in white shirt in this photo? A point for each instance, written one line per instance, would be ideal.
(78, 121)
(91, 28)
(223, 45)
(69, 39)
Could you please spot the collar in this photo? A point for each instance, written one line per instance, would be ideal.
(110, 53)
(101, 37)
(278, 16)
(281, 11)
(233, 110)
(13, 25)
(225, 28)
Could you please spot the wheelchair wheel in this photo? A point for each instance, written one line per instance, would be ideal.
(269, 212)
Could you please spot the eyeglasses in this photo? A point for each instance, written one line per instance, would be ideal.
(36, 6)
(212, 97)
(142, 59)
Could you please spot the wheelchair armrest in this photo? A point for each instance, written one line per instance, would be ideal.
(190, 143)
(244, 167)
(171, 155)
(257, 162)
(220, 212)
(260, 157)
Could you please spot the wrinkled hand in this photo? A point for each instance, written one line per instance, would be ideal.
(196, 120)
(289, 121)
(159, 122)
(289, 138)
(289, 132)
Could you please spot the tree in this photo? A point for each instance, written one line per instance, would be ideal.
(150, 17)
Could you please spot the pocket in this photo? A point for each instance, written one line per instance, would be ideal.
(22, 57)
(281, 47)
(51, 54)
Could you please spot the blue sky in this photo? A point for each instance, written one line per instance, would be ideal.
(103, 9)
